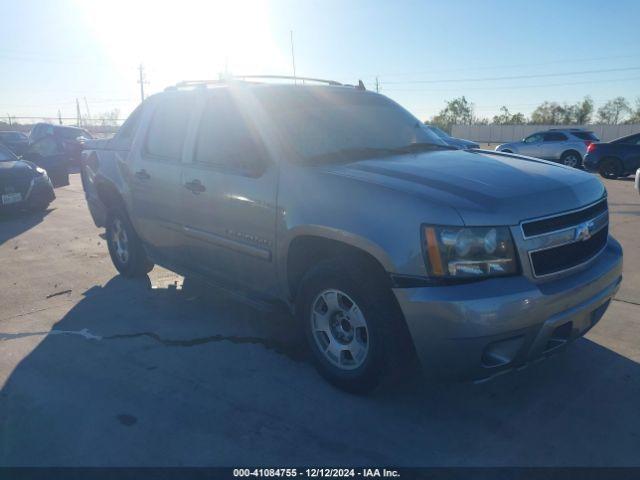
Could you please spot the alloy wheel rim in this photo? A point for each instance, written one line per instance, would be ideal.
(571, 161)
(120, 241)
(339, 329)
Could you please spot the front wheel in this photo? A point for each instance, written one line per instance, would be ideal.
(352, 324)
(125, 248)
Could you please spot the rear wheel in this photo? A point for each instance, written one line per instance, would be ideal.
(610, 168)
(353, 326)
(571, 159)
(125, 248)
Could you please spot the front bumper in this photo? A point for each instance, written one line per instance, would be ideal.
(478, 330)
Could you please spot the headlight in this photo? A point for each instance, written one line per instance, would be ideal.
(469, 252)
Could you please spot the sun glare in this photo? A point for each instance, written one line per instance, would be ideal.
(189, 39)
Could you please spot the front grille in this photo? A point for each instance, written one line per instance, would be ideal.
(561, 258)
(546, 225)
(15, 184)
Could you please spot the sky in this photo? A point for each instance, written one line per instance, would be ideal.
(495, 52)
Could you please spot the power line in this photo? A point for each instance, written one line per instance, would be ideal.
(467, 68)
(516, 77)
(514, 87)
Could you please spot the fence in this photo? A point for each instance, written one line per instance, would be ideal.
(511, 133)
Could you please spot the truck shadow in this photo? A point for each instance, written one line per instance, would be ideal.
(140, 375)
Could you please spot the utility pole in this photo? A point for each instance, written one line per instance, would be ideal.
(142, 80)
(9, 117)
(59, 117)
(78, 115)
(86, 104)
(377, 86)
(293, 59)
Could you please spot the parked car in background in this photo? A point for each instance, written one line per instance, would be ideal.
(49, 153)
(452, 141)
(618, 158)
(23, 184)
(17, 142)
(382, 240)
(70, 138)
(566, 146)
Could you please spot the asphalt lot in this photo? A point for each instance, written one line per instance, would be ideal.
(99, 370)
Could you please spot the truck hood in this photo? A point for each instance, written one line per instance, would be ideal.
(484, 187)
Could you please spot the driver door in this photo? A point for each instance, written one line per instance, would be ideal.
(49, 154)
(532, 145)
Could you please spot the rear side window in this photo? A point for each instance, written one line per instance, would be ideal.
(128, 130)
(226, 139)
(630, 140)
(168, 128)
(586, 136)
(554, 137)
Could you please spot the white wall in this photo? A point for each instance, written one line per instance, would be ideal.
(511, 133)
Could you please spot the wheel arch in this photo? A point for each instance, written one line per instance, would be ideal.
(305, 250)
(572, 150)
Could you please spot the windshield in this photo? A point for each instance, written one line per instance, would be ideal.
(12, 136)
(316, 123)
(73, 133)
(440, 133)
(6, 155)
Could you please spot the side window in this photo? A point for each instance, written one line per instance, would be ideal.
(225, 137)
(128, 129)
(46, 146)
(536, 137)
(168, 127)
(555, 137)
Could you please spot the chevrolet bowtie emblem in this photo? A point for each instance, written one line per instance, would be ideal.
(583, 232)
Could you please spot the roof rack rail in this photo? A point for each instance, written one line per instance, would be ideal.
(231, 78)
(286, 77)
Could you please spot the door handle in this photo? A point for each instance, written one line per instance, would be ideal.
(142, 174)
(195, 186)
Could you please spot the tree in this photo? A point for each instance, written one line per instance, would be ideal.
(635, 114)
(110, 118)
(549, 113)
(508, 118)
(581, 112)
(458, 111)
(614, 111)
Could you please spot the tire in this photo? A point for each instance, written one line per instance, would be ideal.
(571, 159)
(610, 168)
(353, 325)
(39, 206)
(125, 248)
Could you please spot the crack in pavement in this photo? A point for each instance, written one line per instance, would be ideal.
(630, 302)
(297, 354)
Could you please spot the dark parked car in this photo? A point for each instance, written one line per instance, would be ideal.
(17, 142)
(70, 138)
(618, 158)
(23, 184)
(451, 141)
(50, 154)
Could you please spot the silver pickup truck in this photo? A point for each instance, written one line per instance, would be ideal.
(386, 244)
